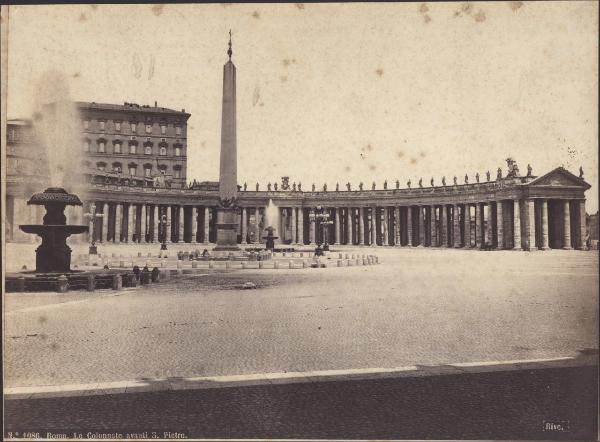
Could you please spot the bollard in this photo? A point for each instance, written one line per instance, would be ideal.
(117, 282)
(165, 275)
(62, 284)
(145, 276)
(20, 284)
(91, 283)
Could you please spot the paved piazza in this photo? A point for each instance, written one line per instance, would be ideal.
(419, 306)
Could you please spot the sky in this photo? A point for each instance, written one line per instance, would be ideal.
(336, 92)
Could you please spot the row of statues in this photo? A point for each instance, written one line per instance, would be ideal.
(513, 172)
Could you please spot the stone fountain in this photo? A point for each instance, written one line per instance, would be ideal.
(54, 255)
(270, 238)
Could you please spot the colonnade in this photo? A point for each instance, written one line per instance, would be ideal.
(499, 224)
(151, 223)
(529, 224)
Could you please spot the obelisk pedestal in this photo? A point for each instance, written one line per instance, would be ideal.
(227, 213)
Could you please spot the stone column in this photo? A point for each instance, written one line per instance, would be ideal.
(500, 224)
(467, 221)
(373, 227)
(194, 225)
(143, 224)
(530, 225)
(517, 225)
(313, 227)
(487, 225)
(168, 230)
(337, 226)
(478, 226)
(130, 230)
(294, 226)
(456, 225)
(361, 226)
(105, 221)
(432, 227)
(421, 219)
(409, 229)
(181, 224)
(155, 224)
(207, 224)
(544, 225)
(444, 227)
(582, 226)
(300, 225)
(244, 225)
(397, 227)
(385, 228)
(567, 226)
(349, 226)
(118, 222)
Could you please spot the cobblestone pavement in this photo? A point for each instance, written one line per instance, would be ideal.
(525, 404)
(417, 307)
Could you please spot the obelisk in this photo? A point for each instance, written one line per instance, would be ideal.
(227, 213)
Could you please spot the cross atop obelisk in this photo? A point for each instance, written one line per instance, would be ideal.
(227, 213)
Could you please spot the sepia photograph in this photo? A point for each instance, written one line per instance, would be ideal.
(300, 221)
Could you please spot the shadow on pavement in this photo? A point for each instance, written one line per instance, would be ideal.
(553, 403)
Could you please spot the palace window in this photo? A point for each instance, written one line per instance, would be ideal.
(163, 129)
(117, 147)
(132, 147)
(132, 169)
(101, 166)
(177, 151)
(117, 167)
(133, 126)
(148, 150)
(102, 124)
(118, 126)
(147, 170)
(177, 171)
(163, 169)
(148, 128)
(177, 130)
(86, 145)
(101, 146)
(163, 150)
(86, 124)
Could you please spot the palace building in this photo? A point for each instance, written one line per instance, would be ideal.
(134, 162)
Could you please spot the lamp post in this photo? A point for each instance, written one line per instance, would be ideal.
(320, 217)
(163, 225)
(92, 216)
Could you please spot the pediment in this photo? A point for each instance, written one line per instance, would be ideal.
(559, 177)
